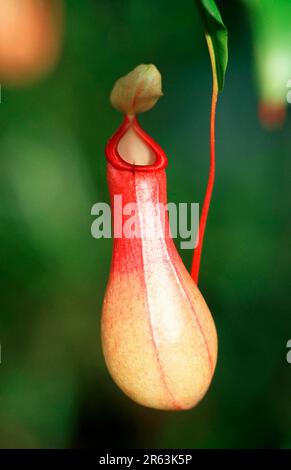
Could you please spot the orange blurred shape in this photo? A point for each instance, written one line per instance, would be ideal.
(30, 38)
(272, 115)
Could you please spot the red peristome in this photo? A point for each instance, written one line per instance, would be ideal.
(158, 336)
(114, 158)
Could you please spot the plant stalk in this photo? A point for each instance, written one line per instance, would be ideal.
(211, 176)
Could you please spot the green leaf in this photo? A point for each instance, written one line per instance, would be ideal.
(216, 35)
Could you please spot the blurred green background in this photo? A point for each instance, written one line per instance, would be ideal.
(54, 387)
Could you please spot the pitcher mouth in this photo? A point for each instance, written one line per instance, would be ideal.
(113, 156)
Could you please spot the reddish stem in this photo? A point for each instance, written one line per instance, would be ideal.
(207, 199)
